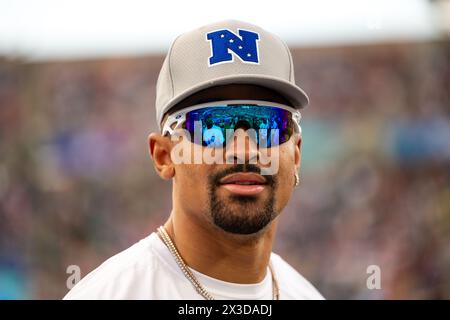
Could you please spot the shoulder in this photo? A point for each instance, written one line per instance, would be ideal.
(120, 276)
(293, 286)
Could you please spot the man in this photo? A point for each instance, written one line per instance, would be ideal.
(212, 135)
(217, 241)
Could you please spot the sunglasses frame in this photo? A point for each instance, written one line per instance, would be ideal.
(179, 117)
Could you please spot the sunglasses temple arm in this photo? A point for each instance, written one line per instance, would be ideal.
(178, 119)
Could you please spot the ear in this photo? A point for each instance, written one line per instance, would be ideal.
(160, 147)
(298, 152)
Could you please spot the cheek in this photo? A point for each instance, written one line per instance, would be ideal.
(192, 184)
(191, 176)
(285, 175)
(287, 159)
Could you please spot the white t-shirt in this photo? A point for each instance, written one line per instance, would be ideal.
(147, 270)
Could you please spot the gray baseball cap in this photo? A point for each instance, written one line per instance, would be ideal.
(226, 52)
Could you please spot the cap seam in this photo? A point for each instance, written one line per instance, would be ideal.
(170, 65)
(291, 62)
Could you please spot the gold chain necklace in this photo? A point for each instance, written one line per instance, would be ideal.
(192, 278)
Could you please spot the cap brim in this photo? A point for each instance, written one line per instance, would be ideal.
(294, 94)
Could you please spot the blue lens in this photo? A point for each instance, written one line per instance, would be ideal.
(271, 125)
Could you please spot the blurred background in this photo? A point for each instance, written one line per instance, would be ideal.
(77, 91)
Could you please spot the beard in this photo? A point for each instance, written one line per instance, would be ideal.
(242, 215)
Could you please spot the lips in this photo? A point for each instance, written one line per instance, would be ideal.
(245, 184)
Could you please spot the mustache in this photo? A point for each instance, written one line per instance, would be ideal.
(214, 179)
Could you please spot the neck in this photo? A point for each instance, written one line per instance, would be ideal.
(221, 255)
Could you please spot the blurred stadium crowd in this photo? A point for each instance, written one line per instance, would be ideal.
(77, 184)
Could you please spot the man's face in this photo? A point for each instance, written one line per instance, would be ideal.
(237, 198)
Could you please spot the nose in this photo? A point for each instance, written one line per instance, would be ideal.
(242, 147)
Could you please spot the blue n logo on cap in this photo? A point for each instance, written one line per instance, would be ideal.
(223, 42)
